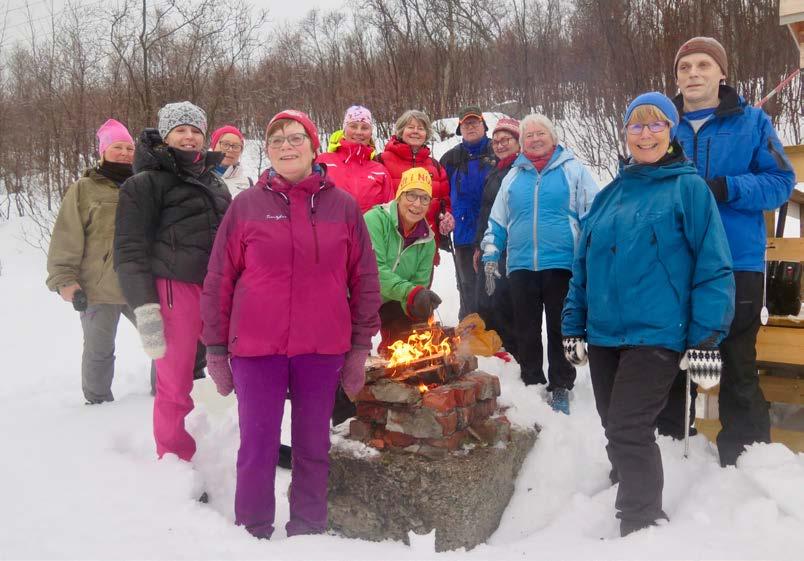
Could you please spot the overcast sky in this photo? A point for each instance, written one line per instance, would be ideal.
(16, 12)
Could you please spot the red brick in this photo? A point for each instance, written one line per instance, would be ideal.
(465, 416)
(493, 430)
(421, 422)
(465, 392)
(448, 422)
(398, 439)
(360, 430)
(440, 399)
(484, 409)
(365, 394)
(452, 442)
(377, 443)
(488, 386)
(372, 412)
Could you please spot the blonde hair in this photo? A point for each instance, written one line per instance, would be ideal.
(538, 119)
(410, 115)
(648, 113)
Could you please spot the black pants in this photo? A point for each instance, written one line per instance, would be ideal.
(531, 293)
(497, 310)
(466, 278)
(671, 419)
(631, 386)
(743, 409)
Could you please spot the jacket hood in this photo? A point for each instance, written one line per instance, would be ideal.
(152, 154)
(730, 102)
(560, 156)
(404, 150)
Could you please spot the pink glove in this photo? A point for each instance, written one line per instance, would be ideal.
(220, 372)
(353, 375)
(447, 224)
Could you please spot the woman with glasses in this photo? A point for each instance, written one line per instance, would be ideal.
(291, 298)
(230, 141)
(652, 277)
(404, 245)
(536, 218)
(407, 149)
(349, 161)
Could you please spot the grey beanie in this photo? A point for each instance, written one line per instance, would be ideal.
(180, 113)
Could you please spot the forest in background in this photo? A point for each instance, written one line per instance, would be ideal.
(577, 61)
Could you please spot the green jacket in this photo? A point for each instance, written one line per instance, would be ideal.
(401, 270)
(81, 245)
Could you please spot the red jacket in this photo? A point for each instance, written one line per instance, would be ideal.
(351, 168)
(292, 272)
(398, 157)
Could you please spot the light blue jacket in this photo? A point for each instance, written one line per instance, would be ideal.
(653, 266)
(537, 216)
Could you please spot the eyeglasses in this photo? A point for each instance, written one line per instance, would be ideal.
(472, 123)
(293, 139)
(504, 141)
(656, 126)
(226, 146)
(412, 197)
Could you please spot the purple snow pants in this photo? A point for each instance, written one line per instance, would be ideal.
(261, 384)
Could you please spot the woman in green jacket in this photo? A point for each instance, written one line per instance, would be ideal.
(404, 245)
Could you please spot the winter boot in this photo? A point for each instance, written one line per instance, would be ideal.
(560, 401)
(284, 456)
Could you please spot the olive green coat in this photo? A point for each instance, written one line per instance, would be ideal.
(81, 245)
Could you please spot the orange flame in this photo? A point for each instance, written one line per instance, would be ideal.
(423, 388)
(419, 345)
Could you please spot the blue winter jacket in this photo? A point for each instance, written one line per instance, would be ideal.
(467, 166)
(537, 216)
(738, 142)
(653, 266)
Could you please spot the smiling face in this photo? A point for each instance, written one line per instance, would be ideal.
(647, 146)
(472, 129)
(294, 163)
(231, 146)
(698, 77)
(119, 153)
(537, 140)
(414, 134)
(185, 137)
(357, 132)
(413, 207)
(504, 144)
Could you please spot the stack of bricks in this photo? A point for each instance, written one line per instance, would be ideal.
(397, 415)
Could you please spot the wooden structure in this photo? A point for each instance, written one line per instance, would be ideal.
(791, 14)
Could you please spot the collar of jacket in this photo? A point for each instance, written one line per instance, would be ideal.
(312, 184)
(731, 103)
(153, 155)
(560, 155)
(335, 141)
(507, 162)
(404, 150)
(669, 165)
(354, 152)
(478, 148)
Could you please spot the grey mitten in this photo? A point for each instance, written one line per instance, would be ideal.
(575, 350)
(151, 329)
(491, 269)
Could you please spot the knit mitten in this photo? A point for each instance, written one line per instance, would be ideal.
(221, 372)
(575, 350)
(151, 329)
(446, 224)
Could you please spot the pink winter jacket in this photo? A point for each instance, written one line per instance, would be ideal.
(351, 168)
(292, 272)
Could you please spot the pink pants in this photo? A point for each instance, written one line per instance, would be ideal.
(181, 313)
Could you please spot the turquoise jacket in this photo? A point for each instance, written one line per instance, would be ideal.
(653, 266)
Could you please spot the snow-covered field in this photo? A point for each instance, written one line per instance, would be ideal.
(80, 482)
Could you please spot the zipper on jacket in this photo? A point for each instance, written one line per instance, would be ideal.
(315, 230)
(170, 293)
(708, 146)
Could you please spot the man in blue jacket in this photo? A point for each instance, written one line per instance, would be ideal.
(738, 153)
(467, 166)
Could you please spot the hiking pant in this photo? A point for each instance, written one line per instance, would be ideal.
(531, 293)
(497, 310)
(261, 384)
(181, 313)
(630, 386)
(744, 413)
(466, 278)
(99, 323)
(671, 418)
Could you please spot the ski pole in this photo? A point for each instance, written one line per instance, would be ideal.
(687, 403)
(778, 88)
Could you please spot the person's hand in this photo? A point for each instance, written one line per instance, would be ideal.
(220, 371)
(476, 259)
(446, 223)
(424, 302)
(575, 350)
(491, 269)
(67, 292)
(353, 375)
(151, 330)
(702, 362)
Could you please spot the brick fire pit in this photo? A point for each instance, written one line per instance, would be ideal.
(446, 457)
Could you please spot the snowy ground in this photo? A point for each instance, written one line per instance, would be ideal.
(83, 482)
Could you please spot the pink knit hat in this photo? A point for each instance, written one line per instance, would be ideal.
(226, 129)
(509, 125)
(303, 119)
(110, 132)
(357, 114)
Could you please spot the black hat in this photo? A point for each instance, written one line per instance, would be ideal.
(470, 111)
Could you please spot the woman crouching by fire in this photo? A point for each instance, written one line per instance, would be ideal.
(289, 308)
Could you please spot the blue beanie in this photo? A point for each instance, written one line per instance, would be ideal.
(662, 102)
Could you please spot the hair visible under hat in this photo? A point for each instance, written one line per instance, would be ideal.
(357, 114)
(300, 117)
(508, 125)
(110, 132)
(180, 113)
(706, 45)
(415, 178)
